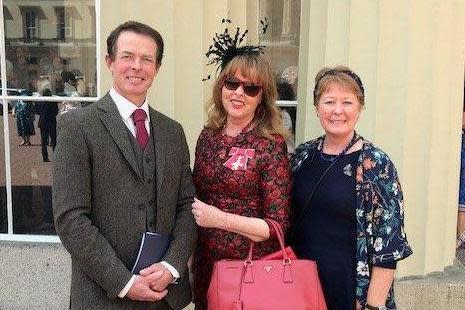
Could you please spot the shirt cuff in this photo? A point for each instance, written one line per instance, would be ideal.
(127, 287)
(172, 270)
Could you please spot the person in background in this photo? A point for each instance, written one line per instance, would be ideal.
(286, 92)
(22, 67)
(69, 89)
(80, 83)
(47, 112)
(461, 205)
(23, 111)
(347, 203)
(55, 76)
(70, 83)
(241, 169)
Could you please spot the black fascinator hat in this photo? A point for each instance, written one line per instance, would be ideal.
(225, 47)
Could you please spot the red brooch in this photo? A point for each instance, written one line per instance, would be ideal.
(239, 158)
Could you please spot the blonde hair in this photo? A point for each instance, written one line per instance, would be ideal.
(340, 75)
(256, 67)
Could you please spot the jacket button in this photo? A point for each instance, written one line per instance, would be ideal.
(147, 160)
(149, 181)
(152, 201)
(141, 206)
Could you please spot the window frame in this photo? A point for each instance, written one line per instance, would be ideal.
(4, 98)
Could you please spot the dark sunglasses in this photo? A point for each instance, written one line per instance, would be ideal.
(250, 89)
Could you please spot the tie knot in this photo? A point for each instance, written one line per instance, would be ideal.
(139, 115)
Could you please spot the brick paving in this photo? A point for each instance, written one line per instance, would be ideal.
(31, 180)
(27, 167)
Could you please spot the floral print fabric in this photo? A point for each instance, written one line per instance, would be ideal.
(462, 175)
(379, 213)
(24, 118)
(255, 185)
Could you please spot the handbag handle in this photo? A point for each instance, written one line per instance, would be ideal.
(247, 274)
(279, 234)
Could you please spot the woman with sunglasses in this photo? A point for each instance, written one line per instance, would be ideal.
(347, 201)
(241, 168)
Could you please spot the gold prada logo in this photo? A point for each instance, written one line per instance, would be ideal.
(268, 268)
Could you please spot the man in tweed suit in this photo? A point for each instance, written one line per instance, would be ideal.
(116, 176)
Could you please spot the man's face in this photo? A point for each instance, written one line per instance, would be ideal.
(134, 65)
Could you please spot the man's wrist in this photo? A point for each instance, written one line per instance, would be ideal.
(127, 287)
(172, 270)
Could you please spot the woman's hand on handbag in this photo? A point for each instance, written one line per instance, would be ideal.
(208, 216)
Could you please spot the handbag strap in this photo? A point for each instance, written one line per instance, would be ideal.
(279, 234)
(352, 142)
(275, 226)
(247, 274)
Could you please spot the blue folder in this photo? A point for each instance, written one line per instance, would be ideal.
(153, 247)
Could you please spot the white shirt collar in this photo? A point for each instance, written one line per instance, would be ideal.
(126, 107)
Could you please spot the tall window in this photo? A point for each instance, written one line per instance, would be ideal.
(64, 22)
(3, 202)
(31, 25)
(45, 72)
(61, 23)
(278, 26)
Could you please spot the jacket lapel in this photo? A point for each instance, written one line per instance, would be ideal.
(118, 130)
(159, 138)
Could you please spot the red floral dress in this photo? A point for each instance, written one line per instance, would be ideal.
(246, 175)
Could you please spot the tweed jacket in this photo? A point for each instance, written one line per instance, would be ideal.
(100, 200)
(379, 212)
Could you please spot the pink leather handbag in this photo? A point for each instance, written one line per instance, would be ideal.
(282, 282)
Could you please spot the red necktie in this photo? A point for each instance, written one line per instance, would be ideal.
(142, 136)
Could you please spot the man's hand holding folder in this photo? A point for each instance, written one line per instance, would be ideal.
(148, 267)
(142, 286)
(152, 248)
(160, 284)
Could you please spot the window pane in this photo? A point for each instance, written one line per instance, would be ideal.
(51, 45)
(279, 32)
(32, 140)
(31, 171)
(50, 50)
(3, 214)
(281, 19)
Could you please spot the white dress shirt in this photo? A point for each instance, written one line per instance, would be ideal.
(125, 109)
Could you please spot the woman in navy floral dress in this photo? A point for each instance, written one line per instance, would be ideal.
(24, 121)
(241, 169)
(347, 201)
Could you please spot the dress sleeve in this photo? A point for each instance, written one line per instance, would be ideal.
(197, 162)
(276, 184)
(389, 239)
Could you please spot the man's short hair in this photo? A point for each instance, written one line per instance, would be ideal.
(138, 28)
